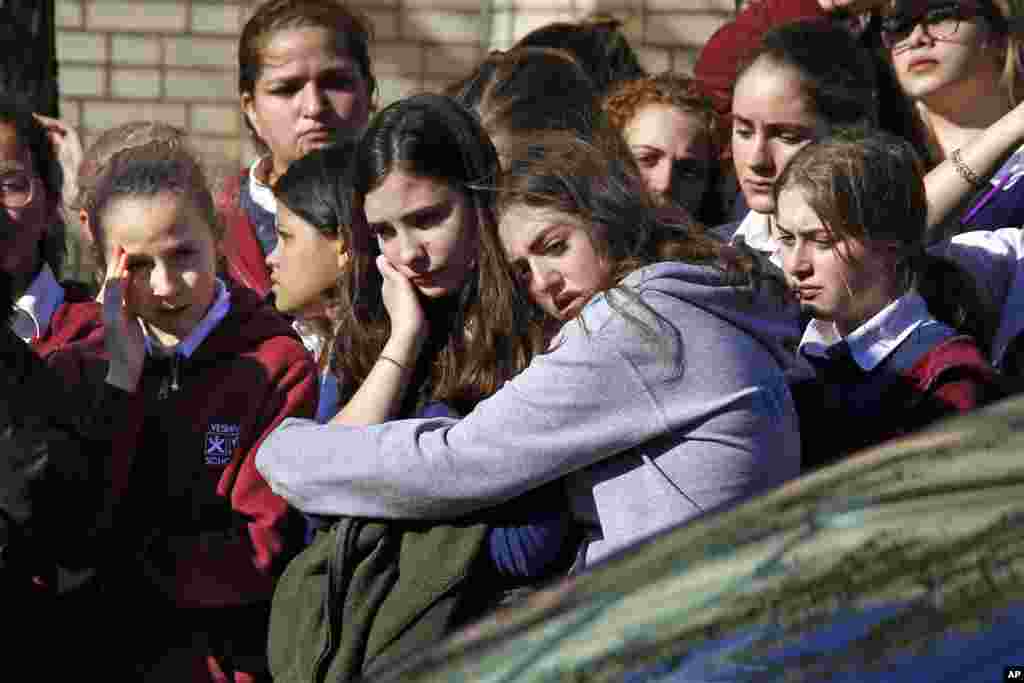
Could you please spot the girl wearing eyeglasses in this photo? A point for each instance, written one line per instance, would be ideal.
(961, 64)
(48, 313)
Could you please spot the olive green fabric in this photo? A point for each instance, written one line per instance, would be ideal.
(366, 593)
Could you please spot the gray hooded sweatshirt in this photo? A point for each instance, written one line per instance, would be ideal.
(648, 431)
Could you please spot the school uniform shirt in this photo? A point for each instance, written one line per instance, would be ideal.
(893, 375)
(183, 467)
(329, 401)
(50, 315)
(756, 232)
(647, 436)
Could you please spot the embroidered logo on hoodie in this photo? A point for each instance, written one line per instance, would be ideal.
(221, 443)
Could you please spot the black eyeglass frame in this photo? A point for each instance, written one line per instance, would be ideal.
(891, 36)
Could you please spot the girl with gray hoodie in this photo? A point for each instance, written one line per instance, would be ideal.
(662, 396)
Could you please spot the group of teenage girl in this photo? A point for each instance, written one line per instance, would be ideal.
(413, 360)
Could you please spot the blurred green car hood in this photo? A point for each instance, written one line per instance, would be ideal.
(904, 563)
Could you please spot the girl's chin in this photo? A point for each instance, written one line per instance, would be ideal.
(179, 323)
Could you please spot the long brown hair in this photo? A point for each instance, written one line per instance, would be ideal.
(600, 186)
(481, 335)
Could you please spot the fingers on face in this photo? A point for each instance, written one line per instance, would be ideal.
(117, 286)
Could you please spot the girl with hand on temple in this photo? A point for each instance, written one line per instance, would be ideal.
(194, 538)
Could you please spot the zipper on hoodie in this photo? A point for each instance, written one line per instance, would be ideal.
(170, 384)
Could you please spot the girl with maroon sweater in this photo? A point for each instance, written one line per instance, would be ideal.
(195, 537)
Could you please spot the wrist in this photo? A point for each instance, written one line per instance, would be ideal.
(404, 349)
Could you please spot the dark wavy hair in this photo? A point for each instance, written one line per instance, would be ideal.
(868, 185)
(837, 73)
(480, 336)
(531, 88)
(598, 44)
(318, 189)
(602, 189)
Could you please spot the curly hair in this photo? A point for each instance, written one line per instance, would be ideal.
(625, 100)
(628, 97)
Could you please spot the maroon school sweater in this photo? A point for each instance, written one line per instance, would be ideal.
(189, 506)
(76, 319)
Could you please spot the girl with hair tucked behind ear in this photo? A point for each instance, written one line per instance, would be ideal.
(314, 233)
(888, 322)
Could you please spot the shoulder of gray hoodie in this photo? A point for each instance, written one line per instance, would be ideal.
(644, 438)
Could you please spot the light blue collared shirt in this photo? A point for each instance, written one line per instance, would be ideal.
(187, 346)
(874, 340)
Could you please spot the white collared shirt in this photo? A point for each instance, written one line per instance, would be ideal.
(260, 191)
(34, 310)
(876, 339)
(756, 230)
(187, 346)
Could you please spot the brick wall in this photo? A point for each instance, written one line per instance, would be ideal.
(175, 60)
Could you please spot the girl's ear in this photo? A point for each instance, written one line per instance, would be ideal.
(342, 251)
(88, 234)
(249, 112)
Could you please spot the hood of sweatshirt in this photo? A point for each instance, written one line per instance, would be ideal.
(764, 312)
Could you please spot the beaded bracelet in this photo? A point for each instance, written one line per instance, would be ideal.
(965, 171)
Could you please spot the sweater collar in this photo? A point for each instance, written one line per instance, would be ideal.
(873, 341)
(756, 231)
(187, 346)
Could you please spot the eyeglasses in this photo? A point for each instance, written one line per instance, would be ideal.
(16, 189)
(939, 22)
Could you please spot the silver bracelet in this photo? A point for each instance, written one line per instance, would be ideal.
(965, 171)
(394, 362)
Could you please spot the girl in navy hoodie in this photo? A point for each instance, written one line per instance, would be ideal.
(195, 538)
